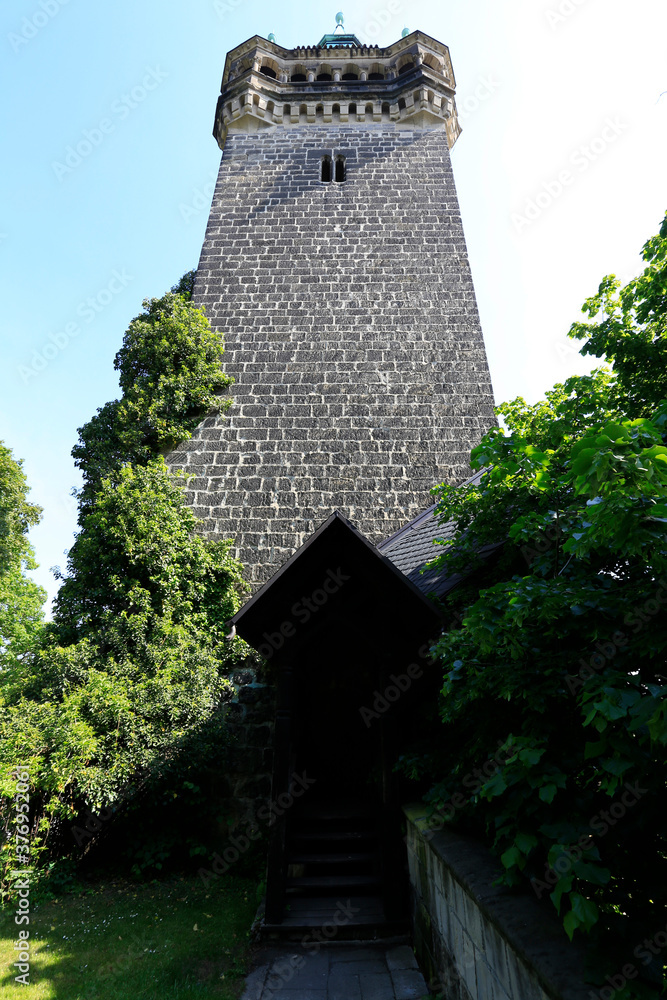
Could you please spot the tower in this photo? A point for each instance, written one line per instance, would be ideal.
(335, 266)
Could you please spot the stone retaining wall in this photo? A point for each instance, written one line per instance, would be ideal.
(475, 941)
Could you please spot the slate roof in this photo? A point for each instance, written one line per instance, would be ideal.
(413, 546)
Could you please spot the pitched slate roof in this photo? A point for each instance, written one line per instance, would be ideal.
(413, 546)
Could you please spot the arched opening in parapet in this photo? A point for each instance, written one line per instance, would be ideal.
(287, 111)
(255, 100)
(350, 73)
(270, 108)
(325, 74)
(303, 113)
(406, 66)
(352, 110)
(340, 173)
(376, 72)
(417, 96)
(385, 109)
(299, 74)
(335, 112)
(326, 174)
(433, 63)
(270, 68)
(319, 111)
(369, 111)
(430, 96)
(401, 104)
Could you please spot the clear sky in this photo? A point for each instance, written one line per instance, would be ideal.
(561, 172)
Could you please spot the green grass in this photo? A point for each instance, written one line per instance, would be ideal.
(124, 941)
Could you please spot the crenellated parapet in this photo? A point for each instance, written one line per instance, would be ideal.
(410, 83)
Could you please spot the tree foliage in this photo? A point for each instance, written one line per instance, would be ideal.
(561, 657)
(128, 681)
(171, 377)
(21, 599)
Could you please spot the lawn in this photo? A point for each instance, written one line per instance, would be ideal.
(125, 941)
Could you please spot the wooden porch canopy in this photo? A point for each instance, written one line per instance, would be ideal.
(336, 608)
(337, 589)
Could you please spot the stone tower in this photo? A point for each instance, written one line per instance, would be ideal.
(335, 266)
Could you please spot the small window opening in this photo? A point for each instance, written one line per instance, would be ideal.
(352, 110)
(401, 104)
(369, 110)
(287, 111)
(335, 112)
(340, 169)
(326, 169)
(319, 111)
(385, 108)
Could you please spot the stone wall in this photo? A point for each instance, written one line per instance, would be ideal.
(351, 329)
(249, 759)
(476, 941)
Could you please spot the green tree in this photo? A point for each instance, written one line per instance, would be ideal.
(130, 677)
(21, 599)
(561, 657)
(171, 376)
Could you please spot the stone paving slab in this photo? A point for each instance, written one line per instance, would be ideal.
(335, 973)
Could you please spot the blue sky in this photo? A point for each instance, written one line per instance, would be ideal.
(560, 171)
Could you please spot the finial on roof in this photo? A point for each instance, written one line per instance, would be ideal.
(272, 37)
(405, 32)
(339, 22)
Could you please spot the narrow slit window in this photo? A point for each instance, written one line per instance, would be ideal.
(339, 176)
(326, 169)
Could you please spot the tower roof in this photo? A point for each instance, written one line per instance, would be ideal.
(340, 39)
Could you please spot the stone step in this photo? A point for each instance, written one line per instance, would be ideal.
(330, 859)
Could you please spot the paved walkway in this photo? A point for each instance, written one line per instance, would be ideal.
(336, 972)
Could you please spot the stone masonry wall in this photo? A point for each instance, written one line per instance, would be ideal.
(351, 330)
(476, 941)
